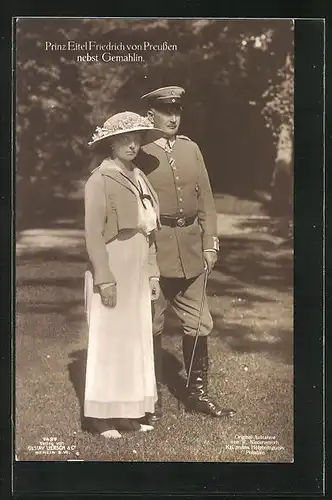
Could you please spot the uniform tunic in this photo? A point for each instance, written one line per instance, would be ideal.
(182, 184)
(179, 177)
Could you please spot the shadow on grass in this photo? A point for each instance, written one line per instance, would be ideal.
(77, 370)
(50, 294)
(274, 226)
(278, 343)
(52, 282)
(55, 212)
(51, 255)
(256, 262)
(247, 276)
(44, 308)
(245, 298)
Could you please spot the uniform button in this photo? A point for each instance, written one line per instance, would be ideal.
(179, 189)
(181, 210)
(177, 177)
(180, 199)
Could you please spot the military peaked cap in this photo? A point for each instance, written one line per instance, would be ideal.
(164, 95)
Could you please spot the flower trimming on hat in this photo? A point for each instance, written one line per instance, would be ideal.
(121, 123)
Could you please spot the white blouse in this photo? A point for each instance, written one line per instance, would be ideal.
(146, 213)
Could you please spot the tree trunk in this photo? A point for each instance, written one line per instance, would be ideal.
(282, 177)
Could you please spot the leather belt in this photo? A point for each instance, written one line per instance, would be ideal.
(166, 220)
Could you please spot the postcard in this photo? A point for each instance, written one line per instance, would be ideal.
(154, 259)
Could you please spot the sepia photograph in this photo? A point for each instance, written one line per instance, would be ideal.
(154, 239)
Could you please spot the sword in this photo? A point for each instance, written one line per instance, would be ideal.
(206, 273)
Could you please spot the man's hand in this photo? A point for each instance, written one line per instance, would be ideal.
(154, 288)
(108, 294)
(210, 258)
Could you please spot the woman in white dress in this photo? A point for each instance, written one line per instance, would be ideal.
(121, 215)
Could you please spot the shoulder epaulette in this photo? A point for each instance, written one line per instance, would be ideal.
(95, 169)
(184, 137)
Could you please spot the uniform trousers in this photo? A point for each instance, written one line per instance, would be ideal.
(184, 296)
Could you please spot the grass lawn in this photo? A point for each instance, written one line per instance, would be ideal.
(250, 297)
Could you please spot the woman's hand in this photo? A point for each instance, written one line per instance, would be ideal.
(154, 288)
(108, 294)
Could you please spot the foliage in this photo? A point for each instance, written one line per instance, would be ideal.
(238, 80)
(49, 109)
(279, 107)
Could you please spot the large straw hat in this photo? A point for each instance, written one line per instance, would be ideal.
(125, 122)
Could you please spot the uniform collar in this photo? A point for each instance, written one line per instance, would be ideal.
(165, 143)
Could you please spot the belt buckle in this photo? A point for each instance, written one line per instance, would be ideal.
(181, 222)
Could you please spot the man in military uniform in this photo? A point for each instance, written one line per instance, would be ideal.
(187, 243)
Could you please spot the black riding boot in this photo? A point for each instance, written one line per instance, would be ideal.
(198, 399)
(158, 368)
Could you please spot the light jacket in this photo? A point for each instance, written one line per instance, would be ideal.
(110, 206)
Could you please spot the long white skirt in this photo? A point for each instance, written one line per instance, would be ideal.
(120, 378)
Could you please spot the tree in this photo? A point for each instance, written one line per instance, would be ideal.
(50, 118)
(279, 113)
(234, 74)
